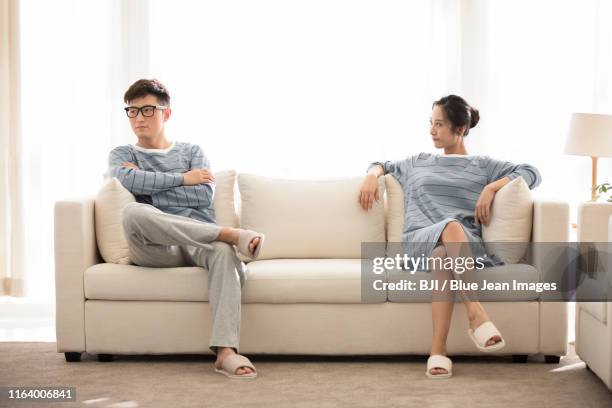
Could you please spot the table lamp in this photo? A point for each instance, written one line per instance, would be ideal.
(590, 134)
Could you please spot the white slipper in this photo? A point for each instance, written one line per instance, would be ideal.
(231, 363)
(245, 238)
(483, 334)
(439, 361)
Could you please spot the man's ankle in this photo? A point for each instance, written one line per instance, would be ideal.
(225, 350)
(229, 235)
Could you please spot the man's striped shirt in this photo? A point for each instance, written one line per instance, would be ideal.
(159, 180)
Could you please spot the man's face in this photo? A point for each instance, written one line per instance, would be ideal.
(148, 127)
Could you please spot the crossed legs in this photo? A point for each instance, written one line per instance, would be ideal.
(158, 239)
(454, 244)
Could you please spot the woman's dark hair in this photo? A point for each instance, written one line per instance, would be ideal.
(458, 112)
(144, 87)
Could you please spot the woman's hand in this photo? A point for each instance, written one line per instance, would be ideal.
(368, 192)
(482, 213)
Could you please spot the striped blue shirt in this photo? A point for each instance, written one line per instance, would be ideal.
(439, 189)
(159, 180)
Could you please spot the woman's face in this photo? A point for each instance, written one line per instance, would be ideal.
(440, 129)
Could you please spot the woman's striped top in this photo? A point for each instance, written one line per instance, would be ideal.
(443, 188)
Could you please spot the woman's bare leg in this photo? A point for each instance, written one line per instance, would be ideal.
(453, 237)
(441, 309)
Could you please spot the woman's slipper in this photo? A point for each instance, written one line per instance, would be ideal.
(245, 238)
(231, 363)
(483, 334)
(439, 361)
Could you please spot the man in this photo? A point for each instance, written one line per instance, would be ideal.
(172, 221)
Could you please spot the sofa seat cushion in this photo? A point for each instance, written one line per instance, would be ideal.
(109, 281)
(268, 281)
(305, 281)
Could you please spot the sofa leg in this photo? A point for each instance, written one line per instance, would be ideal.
(105, 358)
(552, 359)
(519, 358)
(72, 356)
(588, 368)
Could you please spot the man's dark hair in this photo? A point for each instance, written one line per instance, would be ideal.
(144, 87)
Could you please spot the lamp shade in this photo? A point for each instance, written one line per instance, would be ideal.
(590, 134)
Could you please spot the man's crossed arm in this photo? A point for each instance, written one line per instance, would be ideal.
(193, 188)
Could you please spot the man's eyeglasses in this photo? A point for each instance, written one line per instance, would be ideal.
(147, 110)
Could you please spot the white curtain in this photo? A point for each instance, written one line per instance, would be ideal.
(309, 88)
(528, 66)
(315, 88)
(12, 272)
(77, 60)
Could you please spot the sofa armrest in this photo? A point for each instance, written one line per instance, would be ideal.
(551, 225)
(593, 221)
(550, 221)
(75, 251)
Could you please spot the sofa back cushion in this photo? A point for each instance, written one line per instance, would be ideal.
(112, 197)
(109, 203)
(509, 232)
(223, 202)
(394, 205)
(309, 218)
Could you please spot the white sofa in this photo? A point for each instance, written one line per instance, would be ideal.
(593, 319)
(303, 297)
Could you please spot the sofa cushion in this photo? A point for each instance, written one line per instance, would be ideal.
(223, 201)
(306, 281)
(309, 218)
(109, 203)
(271, 281)
(109, 281)
(509, 230)
(394, 203)
(112, 197)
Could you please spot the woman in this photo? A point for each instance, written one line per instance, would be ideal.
(447, 199)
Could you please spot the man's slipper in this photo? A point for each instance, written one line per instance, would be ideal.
(231, 363)
(439, 361)
(483, 334)
(245, 238)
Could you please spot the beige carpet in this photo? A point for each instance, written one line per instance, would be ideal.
(188, 381)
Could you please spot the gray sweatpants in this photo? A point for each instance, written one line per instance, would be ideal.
(158, 239)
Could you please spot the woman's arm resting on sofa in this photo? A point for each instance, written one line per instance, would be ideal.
(369, 189)
(496, 169)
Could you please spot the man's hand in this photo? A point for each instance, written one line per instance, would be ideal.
(198, 176)
(130, 165)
